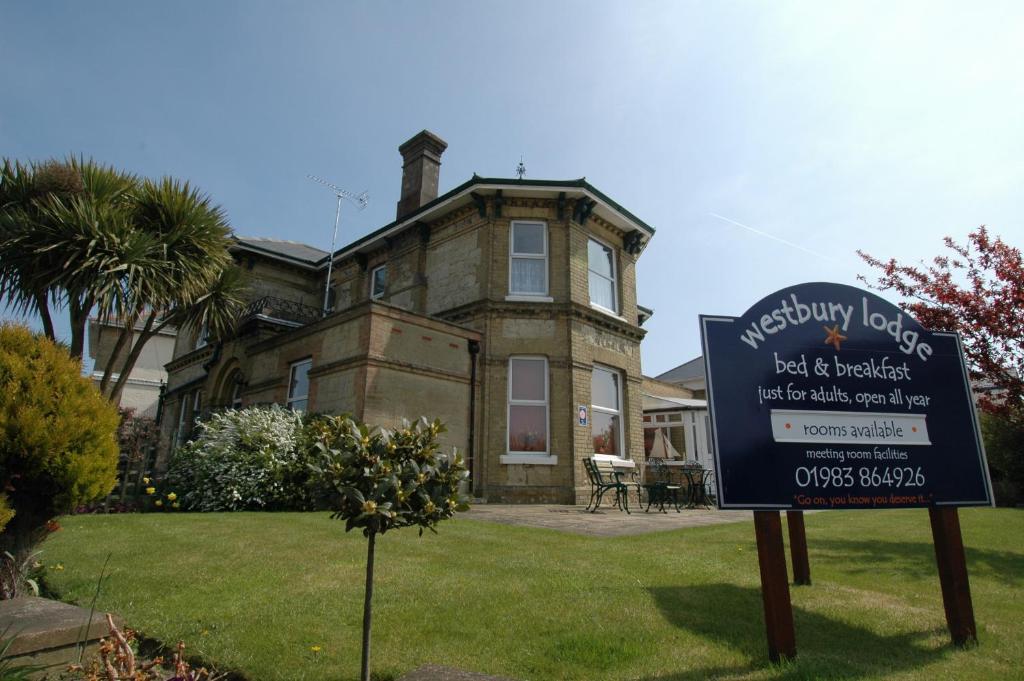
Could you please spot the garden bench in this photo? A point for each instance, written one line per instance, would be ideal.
(604, 477)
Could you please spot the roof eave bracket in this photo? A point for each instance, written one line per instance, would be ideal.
(633, 242)
(481, 203)
(582, 210)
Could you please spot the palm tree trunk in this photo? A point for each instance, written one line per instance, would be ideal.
(43, 308)
(145, 334)
(126, 333)
(368, 608)
(78, 309)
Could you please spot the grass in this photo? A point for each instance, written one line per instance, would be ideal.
(256, 593)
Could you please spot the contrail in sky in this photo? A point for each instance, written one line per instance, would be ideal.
(772, 237)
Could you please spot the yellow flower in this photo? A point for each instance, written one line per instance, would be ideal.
(158, 502)
(145, 481)
(175, 505)
(429, 507)
(315, 649)
(151, 490)
(452, 503)
(369, 507)
(172, 496)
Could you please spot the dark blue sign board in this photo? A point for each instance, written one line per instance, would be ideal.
(825, 396)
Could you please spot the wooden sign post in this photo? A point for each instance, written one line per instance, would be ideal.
(824, 396)
(778, 609)
(956, 589)
(798, 548)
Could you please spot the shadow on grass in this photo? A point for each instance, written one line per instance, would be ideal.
(915, 559)
(733, 616)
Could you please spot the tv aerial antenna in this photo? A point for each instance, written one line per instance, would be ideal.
(360, 201)
(521, 168)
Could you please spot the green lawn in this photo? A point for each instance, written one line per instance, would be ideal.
(254, 592)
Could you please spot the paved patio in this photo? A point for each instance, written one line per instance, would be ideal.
(607, 522)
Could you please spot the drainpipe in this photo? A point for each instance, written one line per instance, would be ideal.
(474, 350)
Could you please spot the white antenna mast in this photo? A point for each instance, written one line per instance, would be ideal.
(360, 201)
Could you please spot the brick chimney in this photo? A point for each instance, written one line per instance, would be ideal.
(421, 166)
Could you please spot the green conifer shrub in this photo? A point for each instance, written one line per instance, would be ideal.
(58, 436)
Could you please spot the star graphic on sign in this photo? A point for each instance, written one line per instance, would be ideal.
(833, 337)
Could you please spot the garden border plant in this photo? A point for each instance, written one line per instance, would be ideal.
(58, 444)
(248, 459)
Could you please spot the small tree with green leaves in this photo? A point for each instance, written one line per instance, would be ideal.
(58, 438)
(385, 480)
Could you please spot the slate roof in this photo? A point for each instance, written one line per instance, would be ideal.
(463, 194)
(292, 250)
(684, 372)
(606, 206)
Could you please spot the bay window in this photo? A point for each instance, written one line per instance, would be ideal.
(528, 259)
(601, 275)
(527, 405)
(606, 411)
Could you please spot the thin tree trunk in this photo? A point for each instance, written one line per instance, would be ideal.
(368, 608)
(145, 334)
(126, 333)
(43, 308)
(79, 315)
(77, 330)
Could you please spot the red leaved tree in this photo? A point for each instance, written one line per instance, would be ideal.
(977, 289)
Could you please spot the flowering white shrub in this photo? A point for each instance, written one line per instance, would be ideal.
(247, 459)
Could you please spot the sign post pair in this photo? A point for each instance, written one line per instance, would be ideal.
(824, 396)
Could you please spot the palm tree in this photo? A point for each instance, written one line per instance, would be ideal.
(64, 235)
(91, 239)
(186, 278)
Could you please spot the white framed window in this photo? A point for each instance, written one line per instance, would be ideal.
(606, 411)
(527, 405)
(378, 282)
(601, 275)
(528, 259)
(298, 385)
(236, 390)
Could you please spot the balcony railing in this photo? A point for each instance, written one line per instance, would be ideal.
(279, 310)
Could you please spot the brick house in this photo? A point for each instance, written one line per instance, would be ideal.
(500, 307)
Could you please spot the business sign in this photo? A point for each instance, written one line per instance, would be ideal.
(826, 396)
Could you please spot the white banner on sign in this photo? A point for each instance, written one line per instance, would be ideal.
(848, 427)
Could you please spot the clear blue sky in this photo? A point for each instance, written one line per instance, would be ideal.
(829, 126)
